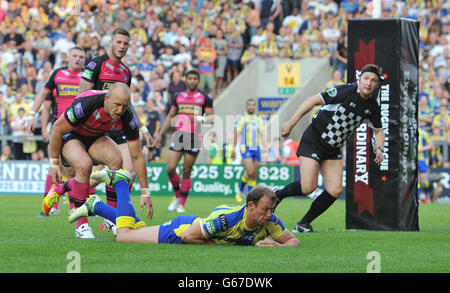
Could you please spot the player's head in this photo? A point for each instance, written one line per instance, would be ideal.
(117, 100)
(260, 204)
(76, 58)
(251, 106)
(119, 43)
(370, 79)
(192, 80)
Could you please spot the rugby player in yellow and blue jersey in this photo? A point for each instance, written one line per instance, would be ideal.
(425, 145)
(249, 224)
(250, 128)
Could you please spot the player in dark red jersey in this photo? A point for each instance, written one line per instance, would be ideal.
(58, 93)
(187, 109)
(78, 139)
(100, 73)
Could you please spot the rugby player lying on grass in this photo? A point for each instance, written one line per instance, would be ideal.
(250, 224)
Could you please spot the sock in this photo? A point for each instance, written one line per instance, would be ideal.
(319, 205)
(124, 206)
(56, 205)
(65, 187)
(251, 183)
(126, 215)
(175, 181)
(244, 181)
(292, 189)
(80, 192)
(110, 213)
(48, 184)
(111, 196)
(184, 190)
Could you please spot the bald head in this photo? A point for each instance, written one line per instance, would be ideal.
(117, 99)
(119, 89)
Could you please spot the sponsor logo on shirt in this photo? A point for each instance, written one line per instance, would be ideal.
(210, 227)
(71, 116)
(67, 90)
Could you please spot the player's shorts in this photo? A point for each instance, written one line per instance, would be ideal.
(87, 141)
(422, 165)
(171, 231)
(253, 153)
(186, 142)
(118, 136)
(312, 146)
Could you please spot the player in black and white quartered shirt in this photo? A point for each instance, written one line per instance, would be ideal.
(344, 109)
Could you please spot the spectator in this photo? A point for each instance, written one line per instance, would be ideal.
(235, 45)
(442, 121)
(340, 55)
(252, 19)
(270, 10)
(18, 126)
(259, 37)
(269, 47)
(221, 47)
(183, 56)
(249, 55)
(14, 36)
(350, 6)
(331, 34)
(301, 47)
(166, 58)
(237, 21)
(294, 21)
(153, 123)
(6, 153)
(206, 55)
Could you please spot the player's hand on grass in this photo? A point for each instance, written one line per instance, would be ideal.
(147, 202)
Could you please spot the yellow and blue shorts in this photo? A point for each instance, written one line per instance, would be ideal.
(171, 231)
(253, 153)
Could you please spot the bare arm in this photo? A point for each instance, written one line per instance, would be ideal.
(379, 140)
(85, 86)
(304, 108)
(167, 124)
(138, 159)
(45, 115)
(60, 127)
(194, 235)
(286, 239)
(38, 101)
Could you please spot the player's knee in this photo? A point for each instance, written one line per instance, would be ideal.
(335, 191)
(115, 163)
(186, 173)
(308, 188)
(123, 235)
(170, 171)
(82, 166)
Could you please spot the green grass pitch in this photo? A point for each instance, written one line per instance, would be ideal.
(43, 245)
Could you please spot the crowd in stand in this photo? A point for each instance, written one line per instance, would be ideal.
(216, 37)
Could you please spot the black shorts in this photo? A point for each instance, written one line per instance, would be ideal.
(118, 136)
(87, 141)
(186, 142)
(312, 146)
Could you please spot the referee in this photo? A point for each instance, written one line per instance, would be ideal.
(345, 107)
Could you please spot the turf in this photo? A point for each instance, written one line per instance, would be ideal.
(29, 244)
